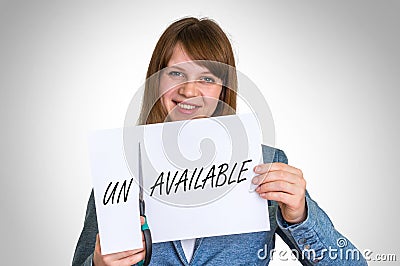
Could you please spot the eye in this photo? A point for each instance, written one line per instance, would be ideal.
(176, 74)
(207, 79)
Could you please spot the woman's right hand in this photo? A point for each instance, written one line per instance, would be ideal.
(123, 258)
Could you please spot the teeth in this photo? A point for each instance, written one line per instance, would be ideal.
(186, 106)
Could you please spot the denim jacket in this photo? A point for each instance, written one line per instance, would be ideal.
(314, 241)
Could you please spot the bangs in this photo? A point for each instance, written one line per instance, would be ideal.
(206, 41)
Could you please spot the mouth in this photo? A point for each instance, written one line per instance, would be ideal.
(186, 108)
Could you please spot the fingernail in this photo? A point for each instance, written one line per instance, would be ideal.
(257, 169)
(258, 189)
(255, 180)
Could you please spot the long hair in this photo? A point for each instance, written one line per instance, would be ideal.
(202, 39)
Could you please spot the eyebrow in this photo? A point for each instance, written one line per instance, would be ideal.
(177, 67)
(184, 70)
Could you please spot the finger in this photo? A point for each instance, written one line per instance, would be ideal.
(142, 220)
(278, 175)
(275, 176)
(135, 252)
(279, 186)
(262, 168)
(122, 255)
(282, 197)
(285, 167)
(292, 202)
(97, 247)
(268, 167)
(133, 259)
(258, 179)
(284, 176)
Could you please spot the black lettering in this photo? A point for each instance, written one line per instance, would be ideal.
(126, 192)
(169, 187)
(210, 175)
(242, 169)
(226, 175)
(221, 173)
(182, 180)
(159, 182)
(230, 176)
(191, 179)
(197, 179)
(105, 202)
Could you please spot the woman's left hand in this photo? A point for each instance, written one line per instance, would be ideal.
(284, 184)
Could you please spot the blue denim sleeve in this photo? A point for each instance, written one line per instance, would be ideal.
(316, 240)
(83, 255)
(88, 261)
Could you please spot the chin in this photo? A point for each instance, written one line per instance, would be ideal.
(179, 117)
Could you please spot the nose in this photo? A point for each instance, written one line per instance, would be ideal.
(189, 89)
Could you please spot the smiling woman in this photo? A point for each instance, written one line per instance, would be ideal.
(192, 75)
(188, 90)
(183, 42)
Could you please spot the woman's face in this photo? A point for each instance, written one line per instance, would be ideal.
(188, 90)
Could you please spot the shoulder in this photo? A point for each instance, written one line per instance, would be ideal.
(272, 155)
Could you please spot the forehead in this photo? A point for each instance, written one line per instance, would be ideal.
(178, 56)
(182, 61)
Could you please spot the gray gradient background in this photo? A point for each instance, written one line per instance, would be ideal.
(329, 70)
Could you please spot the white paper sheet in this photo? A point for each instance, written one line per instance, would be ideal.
(118, 223)
(230, 211)
(179, 204)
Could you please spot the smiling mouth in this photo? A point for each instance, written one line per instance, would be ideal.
(186, 106)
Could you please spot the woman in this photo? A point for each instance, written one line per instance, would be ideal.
(205, 91)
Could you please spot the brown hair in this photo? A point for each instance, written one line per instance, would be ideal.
(202, 39)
